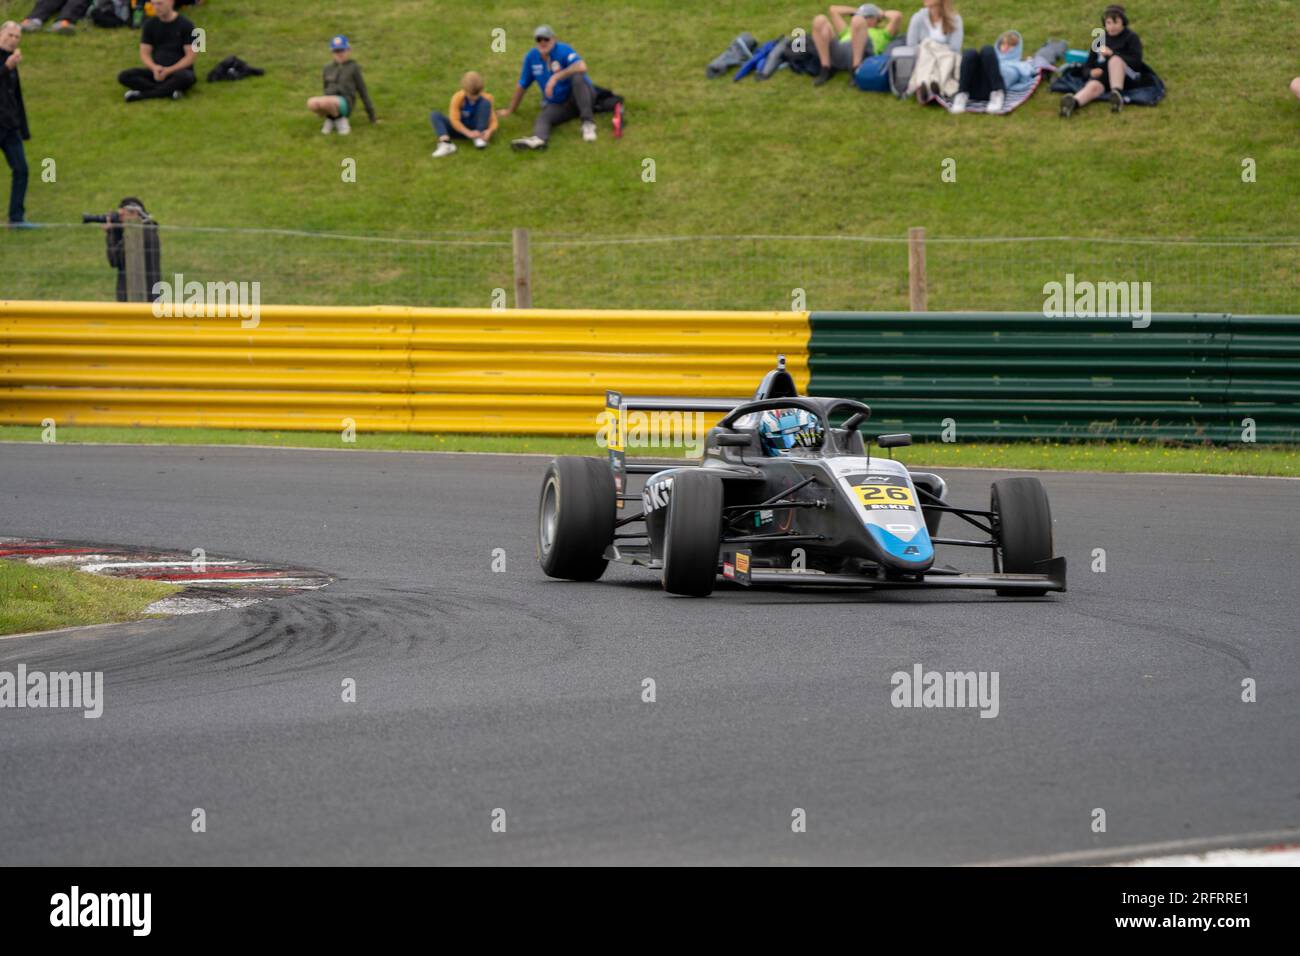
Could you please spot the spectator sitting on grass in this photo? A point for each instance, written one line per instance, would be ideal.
(470, 115)
(990, 73)
(843, 46)
(343, 83)
(65, 14)
(1108, 69)
(937, 20)
(167, 51)
(566, 89)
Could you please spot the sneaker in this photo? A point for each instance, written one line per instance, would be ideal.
(480, 143)
(31, 25)
(22, 224)
(444, 149)
(342, 126)
(959, 103)
(822, 78)
(177, 95)
(328, 126)
(1116, 101)
(1068, 104)
(997, 100)
(64, 26)
(589, 132)
(132, 95)
(528, 142)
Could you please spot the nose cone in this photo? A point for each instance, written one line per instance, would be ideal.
(914, 553)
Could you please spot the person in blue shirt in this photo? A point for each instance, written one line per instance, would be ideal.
(566, 89)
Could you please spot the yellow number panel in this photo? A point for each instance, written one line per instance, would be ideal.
(884, 495)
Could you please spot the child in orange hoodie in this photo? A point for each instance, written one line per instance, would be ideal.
(470, 115)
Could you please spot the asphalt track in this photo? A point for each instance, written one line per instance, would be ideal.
(481, 690)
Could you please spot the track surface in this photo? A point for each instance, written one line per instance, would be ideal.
(479, 690)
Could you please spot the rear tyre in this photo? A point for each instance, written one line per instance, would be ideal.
(575, 518)
(1024, 527)
(692, 534)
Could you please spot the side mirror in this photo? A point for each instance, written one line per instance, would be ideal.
(894, 441)
(731, 440)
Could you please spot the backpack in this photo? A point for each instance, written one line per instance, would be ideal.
(111, 13)
(902, 59)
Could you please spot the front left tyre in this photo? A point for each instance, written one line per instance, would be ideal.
(575, 518)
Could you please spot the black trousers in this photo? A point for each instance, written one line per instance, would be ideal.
(980, 75)
(47, 10)
(141, 78)
(579, 103)
(11, 143)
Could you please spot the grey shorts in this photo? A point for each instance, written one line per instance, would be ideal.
(841, 55)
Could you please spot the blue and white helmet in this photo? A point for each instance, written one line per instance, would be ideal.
(782, 429)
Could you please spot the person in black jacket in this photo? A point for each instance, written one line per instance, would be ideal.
(1118, 60)
(131, 210)
(13, 119)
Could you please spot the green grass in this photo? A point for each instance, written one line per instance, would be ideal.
(43, 598)
(1053, 456)
(776, 158)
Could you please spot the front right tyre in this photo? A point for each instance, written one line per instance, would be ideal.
(1024, 521)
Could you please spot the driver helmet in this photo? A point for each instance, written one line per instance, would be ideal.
(781, 429)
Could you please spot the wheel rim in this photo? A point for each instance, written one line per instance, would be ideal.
(549, 516)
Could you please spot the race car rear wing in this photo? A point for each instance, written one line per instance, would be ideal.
(777, 383)
(614, 431)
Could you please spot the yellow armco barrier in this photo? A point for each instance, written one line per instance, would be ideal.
(388, 368)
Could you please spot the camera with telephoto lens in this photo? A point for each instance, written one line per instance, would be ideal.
(91, 217)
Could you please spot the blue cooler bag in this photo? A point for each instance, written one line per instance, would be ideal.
(873, 75)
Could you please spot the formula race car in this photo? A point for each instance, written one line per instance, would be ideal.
(787, 492)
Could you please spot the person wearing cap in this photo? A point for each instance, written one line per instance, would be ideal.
(167, 52)
(566, 89)
(1110, 66)
(13, 121)
(343, 83)
(843, 46)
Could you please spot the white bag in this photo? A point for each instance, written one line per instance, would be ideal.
(935, 63)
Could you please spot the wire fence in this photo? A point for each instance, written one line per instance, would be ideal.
(669, 272)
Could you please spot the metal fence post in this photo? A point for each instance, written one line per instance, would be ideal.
(916, 268)
(523, 270)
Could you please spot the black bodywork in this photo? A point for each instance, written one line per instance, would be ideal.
(836, 515)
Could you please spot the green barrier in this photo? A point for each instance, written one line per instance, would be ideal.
(1186, 377)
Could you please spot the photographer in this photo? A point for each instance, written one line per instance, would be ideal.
(131, 214)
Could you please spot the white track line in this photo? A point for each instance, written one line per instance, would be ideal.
(1235, 841)
(1288, 856)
